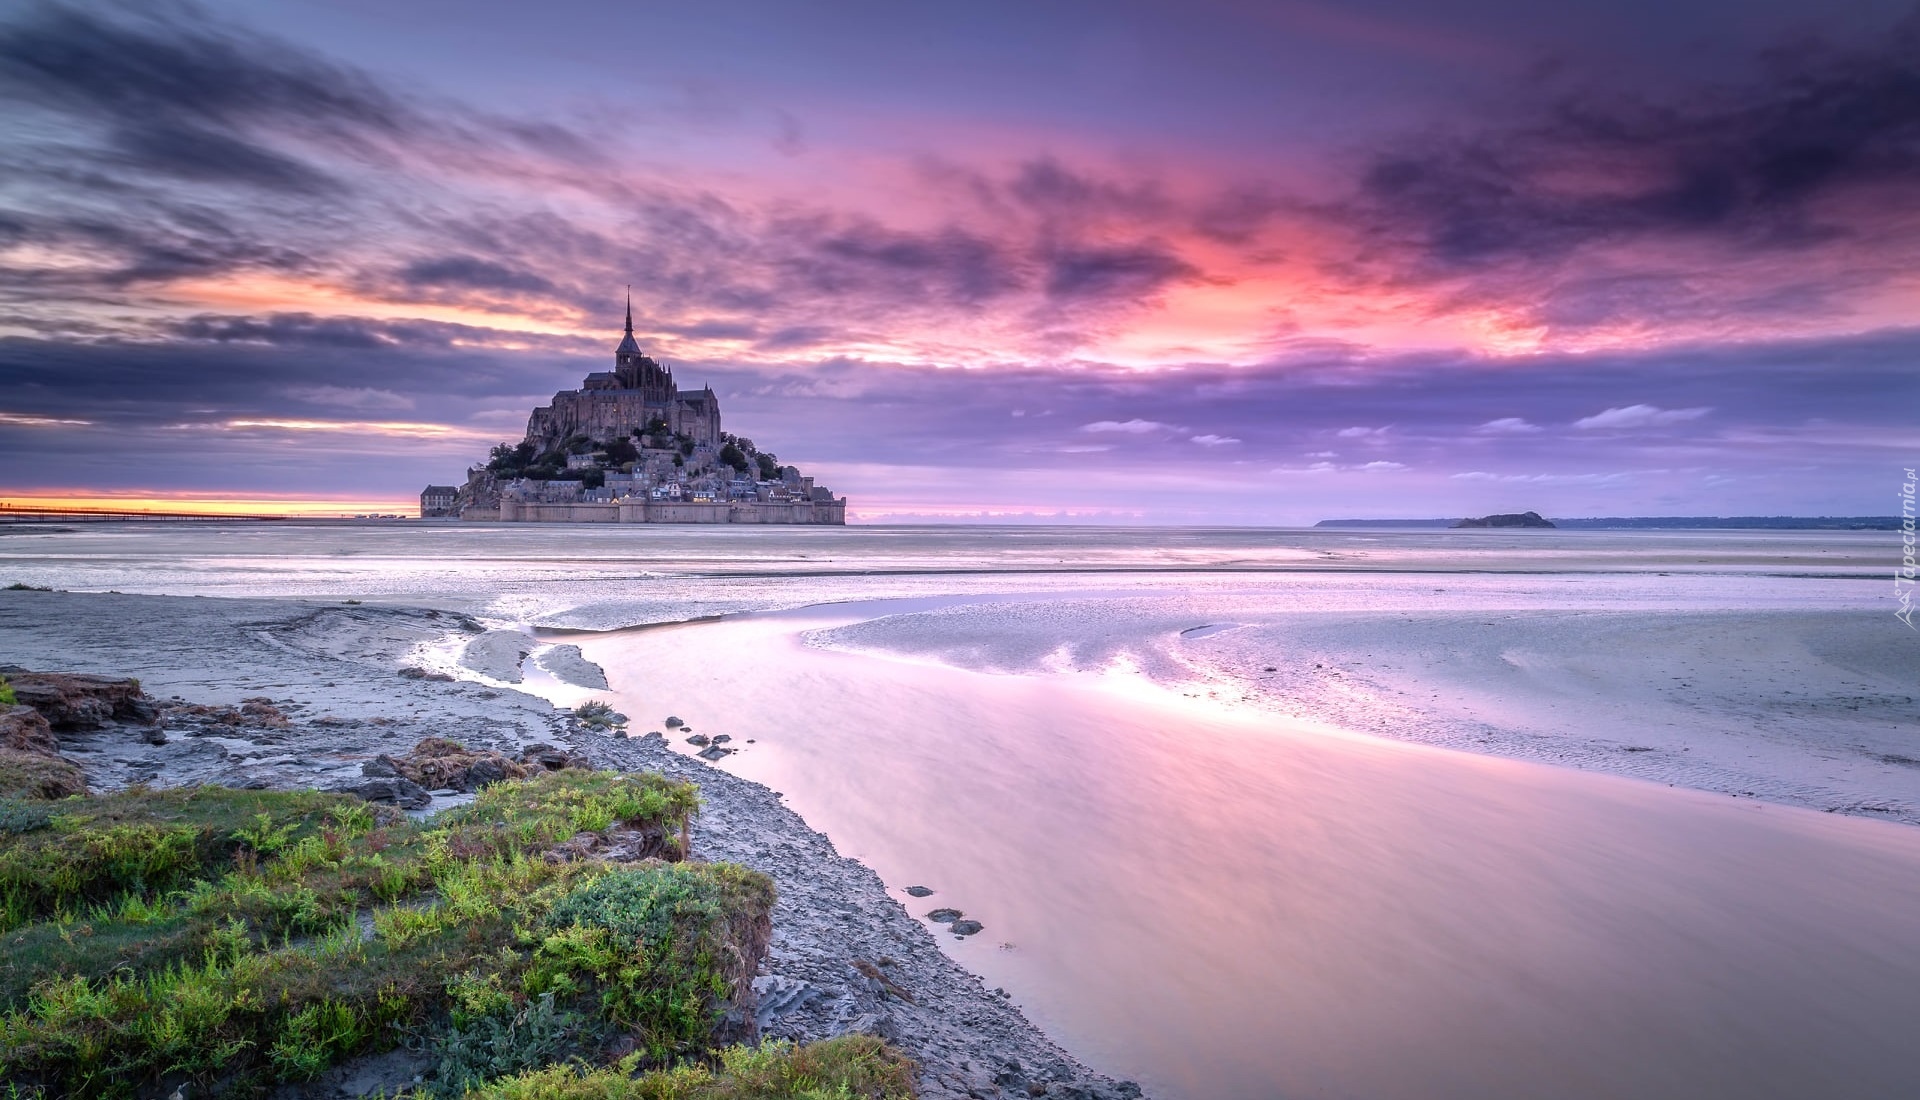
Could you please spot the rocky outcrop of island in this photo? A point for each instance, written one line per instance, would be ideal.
(629, 446)
(1508, 519)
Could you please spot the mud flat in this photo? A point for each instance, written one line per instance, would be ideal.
(845, 956)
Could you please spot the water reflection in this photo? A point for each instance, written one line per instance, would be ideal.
(1224, 906)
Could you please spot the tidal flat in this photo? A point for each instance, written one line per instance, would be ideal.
(1238, 813)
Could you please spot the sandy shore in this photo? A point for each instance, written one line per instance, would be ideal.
(1794, 704)
(334, 670)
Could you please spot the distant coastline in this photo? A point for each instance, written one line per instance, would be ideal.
(1668, 523)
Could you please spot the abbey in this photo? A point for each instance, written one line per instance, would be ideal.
(637, 392)
(629, 447)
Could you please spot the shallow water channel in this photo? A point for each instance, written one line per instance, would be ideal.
(1222, 905)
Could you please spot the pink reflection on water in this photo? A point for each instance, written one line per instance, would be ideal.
(1223, 905)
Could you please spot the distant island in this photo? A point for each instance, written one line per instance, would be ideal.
(629, 446)
(1653, 523)
(1507, 519)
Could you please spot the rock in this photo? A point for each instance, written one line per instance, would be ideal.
(439, 762)
(24, 729)
(944, 916)
(552, 758)
(919, 891)
(698, 739)
(72, 700)
(381, 767)
(673, 723)
(965, 927)
(39, 775)
(491, 769)
(715, 752)
(393, 790)
(415, 673)
(722, 738)
(260, 711)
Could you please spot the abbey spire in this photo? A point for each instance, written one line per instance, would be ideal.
(629, 347)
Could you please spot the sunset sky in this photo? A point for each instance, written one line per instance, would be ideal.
(1215, 261)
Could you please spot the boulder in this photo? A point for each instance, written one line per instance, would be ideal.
(392, 790)
(965, 927)
(73, 700)
(944, 916)
(552, 758)
(24, 729)
(413, 672)
(39, 775)
(919, 891)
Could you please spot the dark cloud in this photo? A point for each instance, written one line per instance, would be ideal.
(956, 266)
(1129, 273)
(159, 242)
(1780, 164)
(298, 330)
(1048, 186)
(473, 273)
(175, 97)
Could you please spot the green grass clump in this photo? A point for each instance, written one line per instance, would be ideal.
(139, 844)
(24, 815)
(850, 1067)
(659, 946)
(7, 698)
(238, 940)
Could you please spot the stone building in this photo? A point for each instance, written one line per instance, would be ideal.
(436, 501)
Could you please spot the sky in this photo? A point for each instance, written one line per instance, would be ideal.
(1114, 261)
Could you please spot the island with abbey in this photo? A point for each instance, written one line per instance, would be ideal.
(629, 446)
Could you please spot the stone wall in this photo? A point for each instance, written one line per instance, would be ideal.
(670, 511)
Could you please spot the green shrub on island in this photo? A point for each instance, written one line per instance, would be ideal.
(240, 940)
(7, 698)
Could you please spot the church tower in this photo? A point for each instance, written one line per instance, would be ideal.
(635, 371)
(627, 358)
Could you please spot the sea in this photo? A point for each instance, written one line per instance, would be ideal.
(1196, 863)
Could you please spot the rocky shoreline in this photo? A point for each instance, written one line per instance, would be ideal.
(289, 694)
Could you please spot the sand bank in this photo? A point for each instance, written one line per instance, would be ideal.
(1789, 702)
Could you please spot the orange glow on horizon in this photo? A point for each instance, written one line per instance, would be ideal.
(160, 501)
